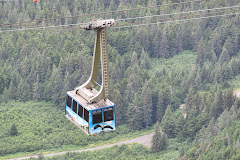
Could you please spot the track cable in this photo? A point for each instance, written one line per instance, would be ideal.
(98, 13)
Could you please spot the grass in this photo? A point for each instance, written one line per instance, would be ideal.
(130, 151)
(42, 127)
(116, 139)
(184, 60)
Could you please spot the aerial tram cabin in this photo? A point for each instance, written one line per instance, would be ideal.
(92, 118)
(86, 107)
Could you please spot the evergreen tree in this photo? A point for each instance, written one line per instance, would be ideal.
(148, 107)
(56, 80)
(235, 65)
(164, 46)
(190, 100)
(217, 107)
(217, 44)
(120, 108)
(179, 40)
(168, 123)
(218, 75)
(230, 46)
(135, 116)
(2, 85)
(27, 92)
(228, 99)
(156, 139)
(198, 37)
(160, 107)
(36, 92)
(156, 44)
(191, 125)
(13, 130)
(134, 60)
(180, 122)
(159, 139)
(226, 72)
(145, 61)
(224, 58)
(5, 95)
(201, 52)
(12, 91)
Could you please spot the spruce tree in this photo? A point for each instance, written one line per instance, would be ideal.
(160, 106)
(230, 46)
(36, 92)
(56, 82)
(228, 99)
(159, 139)
(13, 130)
(156, 43)
(135, 116)
(156, 139)
(217, 107)
(164, 46)
(190, 100)
(144, 61)
(217, 44)
(2, 85)
(168, 123)
(180, 122)
(218, 75)
(120, 108)
(148, 107)
(201, 52)
(179, 43)
(134, 59)
(224, 58)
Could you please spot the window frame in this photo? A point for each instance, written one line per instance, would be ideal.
(74, 108)
(80, 106)
(105, 113)
(68, 101)
(86, 114)
(98, 112)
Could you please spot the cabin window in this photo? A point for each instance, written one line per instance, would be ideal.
(80, 111)
(69, 101)
(108, 114)
(86, 114)
(74, 106)
(97, 116)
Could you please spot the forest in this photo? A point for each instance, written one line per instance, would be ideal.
(183, 75)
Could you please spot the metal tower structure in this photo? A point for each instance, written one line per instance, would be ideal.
(87, 90)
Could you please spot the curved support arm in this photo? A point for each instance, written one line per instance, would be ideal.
(87, 90)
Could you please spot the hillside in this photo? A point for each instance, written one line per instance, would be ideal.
(153, 70)
(224, 145)
(42, 127)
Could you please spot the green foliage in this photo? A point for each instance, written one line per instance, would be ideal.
(151, 67)
(159, 139)
(133, 151)
(40, 156)
(168, 123)
(13, 131)
(43, 126)
(224, 145)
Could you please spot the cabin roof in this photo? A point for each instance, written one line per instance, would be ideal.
(91, 106)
